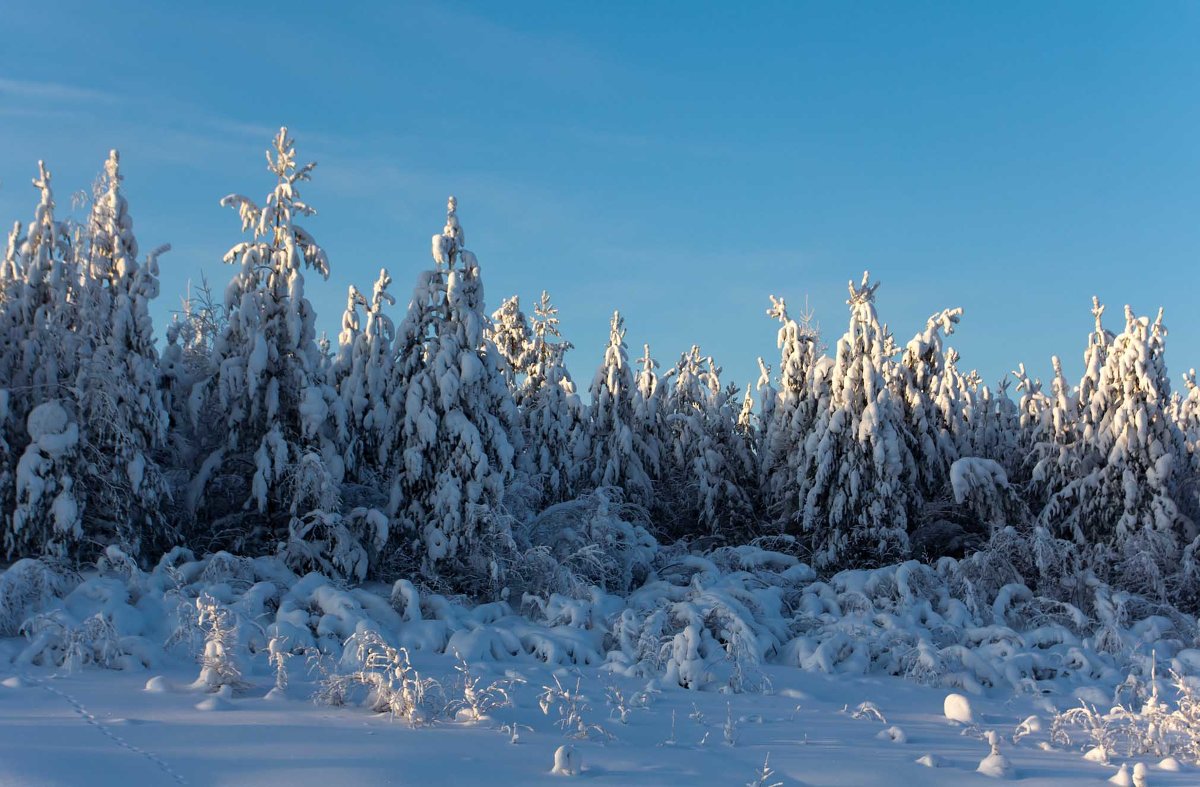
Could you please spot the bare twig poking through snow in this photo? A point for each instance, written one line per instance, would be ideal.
(570, 705)
(764, 773)
(513, 731)
(868, 710)
(623, 704)
(477, 701)
(731, 730)
(672, 740)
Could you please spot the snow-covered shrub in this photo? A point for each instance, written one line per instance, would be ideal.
(476, 699)
(595, 540)
(55, 639)
(221, 661)
(27, 587)
(384, 674)
(624, 703)
(344, 546)
(1154, 727)
(569, 706)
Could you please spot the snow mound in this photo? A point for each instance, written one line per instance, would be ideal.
(1122, 778)
(893, 734)
(158, 685)
(14, 682)
(958, 708)
(221, 701)
(930, 761)
(567, 761)
(1169, 764)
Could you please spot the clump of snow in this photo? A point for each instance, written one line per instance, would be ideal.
(958, 708)
(567, 761)
(221, 701)
(1169, 764)
(1121, 778)
(158, 685)
(893, 734)
(930, 761)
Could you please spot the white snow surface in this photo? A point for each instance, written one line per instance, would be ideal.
(713, 666)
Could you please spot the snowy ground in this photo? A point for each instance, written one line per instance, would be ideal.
(102, 727)
(122, 676)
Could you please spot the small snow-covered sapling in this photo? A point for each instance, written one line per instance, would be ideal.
(763, 774)
(730, 728)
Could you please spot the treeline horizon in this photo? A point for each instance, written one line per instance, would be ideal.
(431, 436)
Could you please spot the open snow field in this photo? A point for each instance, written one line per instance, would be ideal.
(102, 727)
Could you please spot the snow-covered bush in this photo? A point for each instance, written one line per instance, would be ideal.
(28, 587)
(596, 540)
(1144, 724)
(221, 661)
(370, 666)
(336, 545)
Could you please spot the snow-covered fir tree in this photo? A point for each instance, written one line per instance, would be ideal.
(457, 436)
(365, 391)
(928, 391)
(509, 331)
(619, 453)
(859, 470)
(1129, 497)
(47, 519)
(275, 461)
(789, 414)
(553, 418)
(123, 421)
(708, 472)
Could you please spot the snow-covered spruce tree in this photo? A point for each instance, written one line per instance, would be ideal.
(650, 415)
(994, 424)
(47, 517)
(339, 365)
(708, 473)
(509, 331)
(553, 419)
(1188, 418)
(365, 392)
(123, 421)
(1058, 454)
(457, 434)
(619, 455)
(275, 462)
(39, 322)
(1094, 358)
(41, 306)
(930, 403)
(1129, 499)
(788, 417)
(859, 470)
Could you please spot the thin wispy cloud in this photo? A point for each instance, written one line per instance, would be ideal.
(53, 91)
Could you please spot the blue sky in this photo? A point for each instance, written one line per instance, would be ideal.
(679, 161)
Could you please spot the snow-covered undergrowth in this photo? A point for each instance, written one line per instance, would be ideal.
(701, 621)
